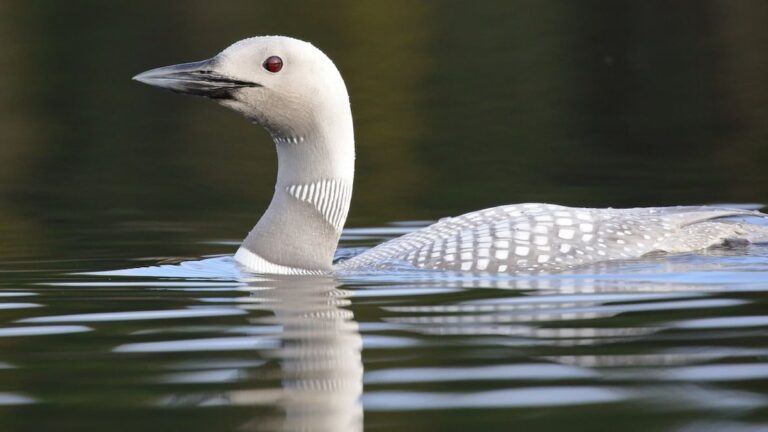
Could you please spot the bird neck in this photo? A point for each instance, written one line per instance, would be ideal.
(299, 232)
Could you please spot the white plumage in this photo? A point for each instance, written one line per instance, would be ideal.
(532, 238)
(305, 107)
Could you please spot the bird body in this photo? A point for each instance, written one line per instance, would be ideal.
(533, 238)
(297, 94)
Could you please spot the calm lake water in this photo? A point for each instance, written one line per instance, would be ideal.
(457, 107)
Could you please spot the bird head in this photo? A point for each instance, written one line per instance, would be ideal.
(286, 85)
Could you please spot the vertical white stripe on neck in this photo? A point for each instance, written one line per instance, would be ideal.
(329, 197)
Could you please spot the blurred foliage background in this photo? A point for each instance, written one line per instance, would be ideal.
(458, 105)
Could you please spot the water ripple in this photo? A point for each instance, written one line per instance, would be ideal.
(14, 399)
(531, 371)
(717, 372)
(207, 344)
(509, 398)
(42, 330)
(722, 322)
(136, 315)
(19, 305)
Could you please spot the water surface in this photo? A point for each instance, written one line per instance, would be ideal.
(673, 343)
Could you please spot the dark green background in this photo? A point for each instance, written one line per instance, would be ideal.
(457, 105)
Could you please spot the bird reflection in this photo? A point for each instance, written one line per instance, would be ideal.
(566, 310)
(319, 356)
(311, 375)
(629, 325)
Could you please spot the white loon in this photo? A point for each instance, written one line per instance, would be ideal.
(296, 93)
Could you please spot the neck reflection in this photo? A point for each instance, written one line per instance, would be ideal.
(319, 355)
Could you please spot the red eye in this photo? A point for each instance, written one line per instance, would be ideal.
(273, 64)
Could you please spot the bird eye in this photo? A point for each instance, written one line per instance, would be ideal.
(273, 64)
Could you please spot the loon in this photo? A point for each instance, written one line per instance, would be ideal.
(296, 93)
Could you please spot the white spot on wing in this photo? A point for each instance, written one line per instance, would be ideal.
(522, 235)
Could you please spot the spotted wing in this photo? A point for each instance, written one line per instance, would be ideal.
(530, 238)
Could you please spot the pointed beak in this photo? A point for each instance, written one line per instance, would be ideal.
(197, 78)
